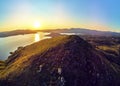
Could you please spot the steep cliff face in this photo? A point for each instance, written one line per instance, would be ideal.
(60, 61)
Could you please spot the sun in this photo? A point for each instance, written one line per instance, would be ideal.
(37, 24)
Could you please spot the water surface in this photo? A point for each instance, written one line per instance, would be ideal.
(10, 44)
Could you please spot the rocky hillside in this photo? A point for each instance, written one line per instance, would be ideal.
(60, 61)
(2, 65)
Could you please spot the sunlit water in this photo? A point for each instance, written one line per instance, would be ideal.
(9, 44)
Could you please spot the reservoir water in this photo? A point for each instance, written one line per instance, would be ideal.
(10, 44)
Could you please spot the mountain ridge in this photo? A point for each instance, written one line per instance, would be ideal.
(83, 31)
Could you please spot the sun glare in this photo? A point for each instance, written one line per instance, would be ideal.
(37, 24)
(37, 37)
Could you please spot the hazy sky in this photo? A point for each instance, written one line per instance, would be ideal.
(93, 14)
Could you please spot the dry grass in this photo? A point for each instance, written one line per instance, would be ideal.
(2, 65)
(115, 49)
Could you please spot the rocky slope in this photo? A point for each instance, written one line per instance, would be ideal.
(60, 61)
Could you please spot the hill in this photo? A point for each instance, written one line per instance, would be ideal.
(60, 61)
(83, 31)
(16, 32)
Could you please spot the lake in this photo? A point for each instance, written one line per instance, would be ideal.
(10, 44)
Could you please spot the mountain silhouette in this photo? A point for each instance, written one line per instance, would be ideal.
(59, 61)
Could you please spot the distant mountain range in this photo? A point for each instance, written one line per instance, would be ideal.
(60, 61)
(16, 32)
(79, 31)
(82, 31)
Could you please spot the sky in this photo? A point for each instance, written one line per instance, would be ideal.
(57, 14)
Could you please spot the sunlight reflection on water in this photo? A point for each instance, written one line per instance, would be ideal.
(37, 37)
